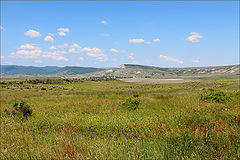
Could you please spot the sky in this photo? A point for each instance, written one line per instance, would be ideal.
(108, 33)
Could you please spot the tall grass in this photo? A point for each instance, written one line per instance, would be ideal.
(86, 120)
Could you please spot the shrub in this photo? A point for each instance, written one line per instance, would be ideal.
(219, 97)
(131, 104)
(43, 88)
(135, 95)
(21, 110)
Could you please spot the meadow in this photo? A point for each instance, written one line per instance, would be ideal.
(197, 119)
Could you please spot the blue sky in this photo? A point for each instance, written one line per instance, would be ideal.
(108, 34)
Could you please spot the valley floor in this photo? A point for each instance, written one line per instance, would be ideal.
(102, 120)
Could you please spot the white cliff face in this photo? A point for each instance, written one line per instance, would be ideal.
(109, 71)
(122, 66)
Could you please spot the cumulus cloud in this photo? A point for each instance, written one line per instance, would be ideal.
(62, 34)
(54, 56)
(96, 52)
(136, 40)
(93, 50)
(29, 46)
(195, 61)
(32, 33)
(156, 40)
(49, 38)
(30, 51)
(168, 58)
(104, 22)
(52, 47)
(30, 54)
(63, 29)
(194, 38)
(75, 46)
(114, 50)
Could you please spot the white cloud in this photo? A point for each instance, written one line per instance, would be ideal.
(99, 55)
(29, 54)
(52, 47)
(1, 57)
(92, 54)
(195, 61)
(131, 56)
(63, 29)
(194, 38)
(75, 46)
(49, 38)
(29, 46)
(114, 50)
(32, 33)
(55, 57)
(62, 34)
(156, 40)
(104, 22)
(38, 61)
(93, 50)
(168, 58)
(136, 40)
(72, 50)
(81, 58)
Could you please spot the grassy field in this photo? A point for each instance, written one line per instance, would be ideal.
(87, 120)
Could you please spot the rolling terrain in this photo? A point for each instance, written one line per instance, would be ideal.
(125, 71)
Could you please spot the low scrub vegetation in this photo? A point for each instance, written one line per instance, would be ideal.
(131, 103)
(20, 110)
(218, 97)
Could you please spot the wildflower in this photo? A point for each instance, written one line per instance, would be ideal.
(209, 125)
(231, 131)
(220, 122)
(137, 119)
(112, 108)
(235, 130)
(117, 109)
(133, 121)
(134, 126)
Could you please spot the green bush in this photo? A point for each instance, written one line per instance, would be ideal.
(43, 88)
(21, 110)
(218, 97)
(131, 104)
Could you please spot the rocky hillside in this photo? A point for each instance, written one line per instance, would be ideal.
(140, 71)
(121, 72)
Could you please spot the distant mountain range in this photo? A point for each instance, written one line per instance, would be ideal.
(121, 72)
(14, 70)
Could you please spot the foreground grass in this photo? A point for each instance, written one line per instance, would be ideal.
(86, 120)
